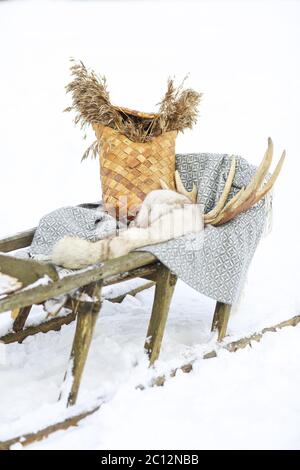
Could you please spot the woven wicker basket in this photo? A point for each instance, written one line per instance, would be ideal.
(129, 170)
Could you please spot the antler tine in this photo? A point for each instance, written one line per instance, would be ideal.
(271, 180)
(241, 202)
(258, 178)
(222, 201)
(226, 209)
(245, 197)
(163, 184)
(192, 195)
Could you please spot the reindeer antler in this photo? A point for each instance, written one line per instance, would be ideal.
(250, 195)
(192, 195)
(245, 198)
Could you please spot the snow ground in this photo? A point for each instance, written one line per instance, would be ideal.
(244, 57)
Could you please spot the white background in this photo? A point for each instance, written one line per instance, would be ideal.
(244, 57)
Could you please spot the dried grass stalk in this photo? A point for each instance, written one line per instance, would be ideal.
(91, 102)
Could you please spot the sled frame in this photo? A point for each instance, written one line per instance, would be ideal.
(85, 301)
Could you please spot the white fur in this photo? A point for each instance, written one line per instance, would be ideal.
(158, 203)
(164, 215)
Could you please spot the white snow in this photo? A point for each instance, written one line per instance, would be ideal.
(8, 284)
(244, 57)
(42, 281)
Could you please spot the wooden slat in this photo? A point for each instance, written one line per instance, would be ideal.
(26, 439)
(133, 292)
(63, 286)
(26, 270)
(57, 322)
(49, 325)
(21, 318)
(221, 318)
(231, 347)
(144, 272)
(17, 241)
(165, 286)
(87, 312)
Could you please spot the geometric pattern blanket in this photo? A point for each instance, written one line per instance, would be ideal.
(214, 261)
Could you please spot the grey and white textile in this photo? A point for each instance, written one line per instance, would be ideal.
(214, 262)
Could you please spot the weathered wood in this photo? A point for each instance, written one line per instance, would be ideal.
(26, 270)
(165, 286)
(87, 309)
(17, 241)
(243, 342)
(26, 439)
(132, 292)
(53, 324)
(57, 322)
(145, 272)
(14, 313)
(220, 319)
(54, 313)
(73, 281)
(21, 318)
(231, 347)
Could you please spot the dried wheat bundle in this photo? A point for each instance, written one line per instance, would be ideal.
(179, 108)
(91, 103)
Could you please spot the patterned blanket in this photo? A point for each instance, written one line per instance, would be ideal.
(214, 262)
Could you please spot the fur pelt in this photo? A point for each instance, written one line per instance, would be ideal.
(164, 215)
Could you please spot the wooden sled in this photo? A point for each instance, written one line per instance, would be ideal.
(82, 291)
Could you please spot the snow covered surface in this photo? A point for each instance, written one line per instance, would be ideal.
(8, 284)
(244, 57)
